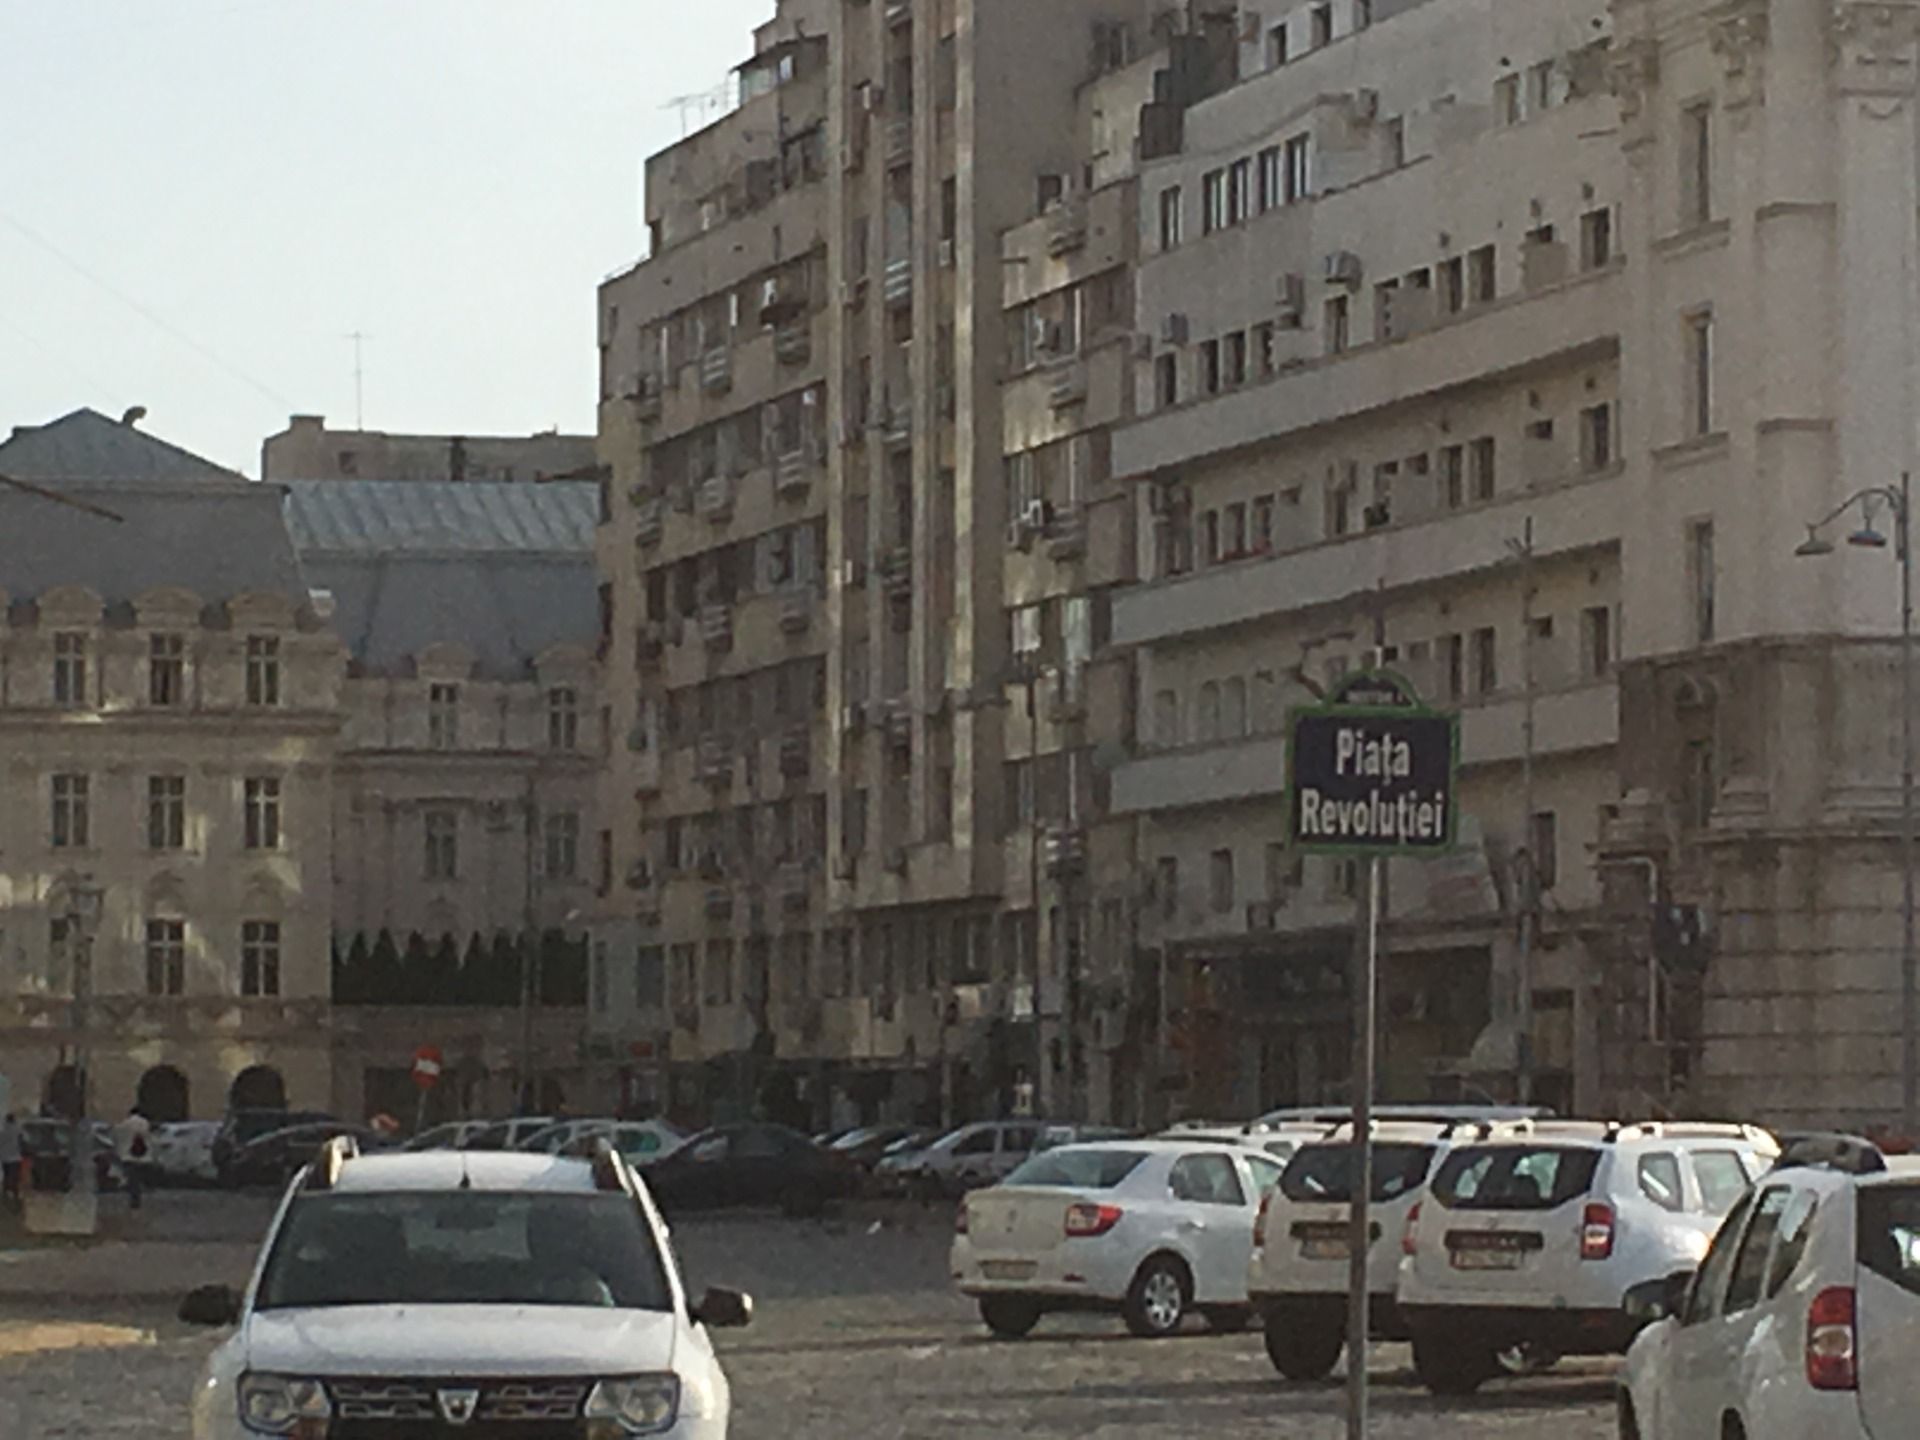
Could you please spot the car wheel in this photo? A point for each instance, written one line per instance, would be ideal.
(1008, 1316)
(1302, 1352)
(1228, 1319)
(1629, 1421)
(1453, 1366)
(1157, 1300)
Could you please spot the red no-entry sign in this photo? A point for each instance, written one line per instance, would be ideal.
(427, 1063)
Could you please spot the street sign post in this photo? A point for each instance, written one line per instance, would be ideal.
(427, 1064)
(1370, 775)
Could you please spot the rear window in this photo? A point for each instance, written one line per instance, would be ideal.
(1514, 1177)
(1325, 1172)
(1889, 1233)
(1078, 1169)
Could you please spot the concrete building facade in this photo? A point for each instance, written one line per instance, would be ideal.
(308, 450)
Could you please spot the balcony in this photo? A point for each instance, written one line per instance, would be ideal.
(716, 370)
(1514, 334)
(716, 627)
(1211, 775)
(716, 499)
(1573, 518)
(1067, 228)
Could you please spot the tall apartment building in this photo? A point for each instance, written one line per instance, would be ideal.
(807, 564)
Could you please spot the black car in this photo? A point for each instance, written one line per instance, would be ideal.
(751, 1164)
(242, 1127)
(272, 1159)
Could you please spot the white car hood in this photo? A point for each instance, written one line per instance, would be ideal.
(486, 1340)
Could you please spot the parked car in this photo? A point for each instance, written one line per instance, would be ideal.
(47, 1142)
(275, 1157)
(180, 1152)
(246, 1125)
(1150, 1229)
(506, 1134)
(867, 1145)
(974, 1155)
(1298, 1275)
(640, 1141)
(1440, 1114)
(1531, 1238)
(452, 1135)
(1278, 1141)
(1803, 1317)
(1054, 1136)
(448, 1294)
(751, 1164)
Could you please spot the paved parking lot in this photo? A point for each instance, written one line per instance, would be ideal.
(856, 1336)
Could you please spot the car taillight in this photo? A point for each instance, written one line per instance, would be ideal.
(1084, 1221)
(1260, 1221)
(1832, 1350)
(960, 1218)
(1410, 1237)
(1596, 1232)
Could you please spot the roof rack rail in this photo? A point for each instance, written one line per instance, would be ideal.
(1845, 1154)
(324, 1171)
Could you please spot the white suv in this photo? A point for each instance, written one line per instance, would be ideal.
(1804, 1318)
(426, 1293)
(1297, 1278)
(1529, 1239)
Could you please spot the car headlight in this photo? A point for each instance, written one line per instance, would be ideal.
(283, 1405)
(633, 1405)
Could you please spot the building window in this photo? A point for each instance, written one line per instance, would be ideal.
(563, 846)
(443, 717)
(1544, 843)
(262, 813)
(1208, 726)
(1506, 100)
(1234, 358)
(1456, 655)
(260, 957)
(603, 862)
(1166, 380)
(166, 812)
(1698, 787)
(1213, 201)
(1272, 180)
(563, 718)
(166, 957)
(71, 811)
(166, 670)
(1699, 339)
(1339, 315)
(1486, 662)
(1263, 352)
(1320, 25)
(1239, 191)
(1596, 641)
(1210, 366)
(1171, 218)
(1483, 280)
(719, 986)
(1700, 579)
(1596, 239)
(1220, 881)
(1483, 468)
(1540, 87)
(1260, 539)
(1166, 886)
(650, 977)
(1277, 50)
(263, 670)
(70, 669)
(1166, 718)
(1362, 14)
(1453, 476)
(442, 831)
(1299, 169)
(1696, 165)
(1453, 284)
(1596, 437)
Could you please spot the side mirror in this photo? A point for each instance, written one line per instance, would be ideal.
(724, 1309)
(211, 1305)
(1655, 1300)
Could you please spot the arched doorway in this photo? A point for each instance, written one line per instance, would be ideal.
(163, 1096)
(258, 1087)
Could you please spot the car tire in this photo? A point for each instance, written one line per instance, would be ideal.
(1301, 1352)
(1453, 1366)
(1008, 1316)
(1228, 1319)
(1159, 1297)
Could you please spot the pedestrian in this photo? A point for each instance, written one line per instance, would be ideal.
(131, 1139)
(10, 1154)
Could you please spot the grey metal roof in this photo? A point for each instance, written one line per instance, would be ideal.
(443, 517)
(504, 571)
(86, 445)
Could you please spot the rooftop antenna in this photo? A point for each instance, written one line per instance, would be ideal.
(359, 375)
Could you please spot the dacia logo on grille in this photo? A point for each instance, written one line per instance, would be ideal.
(457, 1406)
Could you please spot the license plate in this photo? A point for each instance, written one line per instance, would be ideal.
(1484, 1259)
(1008, 1269)
(1326, 1248)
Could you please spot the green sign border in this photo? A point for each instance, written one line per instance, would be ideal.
(1332, 709)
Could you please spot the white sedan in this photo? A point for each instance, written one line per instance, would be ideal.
(1151, 1229)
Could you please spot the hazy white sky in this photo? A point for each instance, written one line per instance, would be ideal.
(248, 181)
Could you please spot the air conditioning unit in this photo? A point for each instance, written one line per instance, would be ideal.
(1366, 104)
(1343, 267)
(1260, 916)
(1173, 329)
(1292, 299)
(640, 876)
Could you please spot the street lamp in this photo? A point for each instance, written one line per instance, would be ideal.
(82, 921)
(1869, 537)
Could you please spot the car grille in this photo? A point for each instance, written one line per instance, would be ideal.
(410, 1409)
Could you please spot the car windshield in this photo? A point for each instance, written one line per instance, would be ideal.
(1078, 1169)
(1888, 1234)
(1325, 1172)
(466, 1247)
(1514, 1177)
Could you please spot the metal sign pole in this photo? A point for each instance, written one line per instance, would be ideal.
(1359, 1216)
